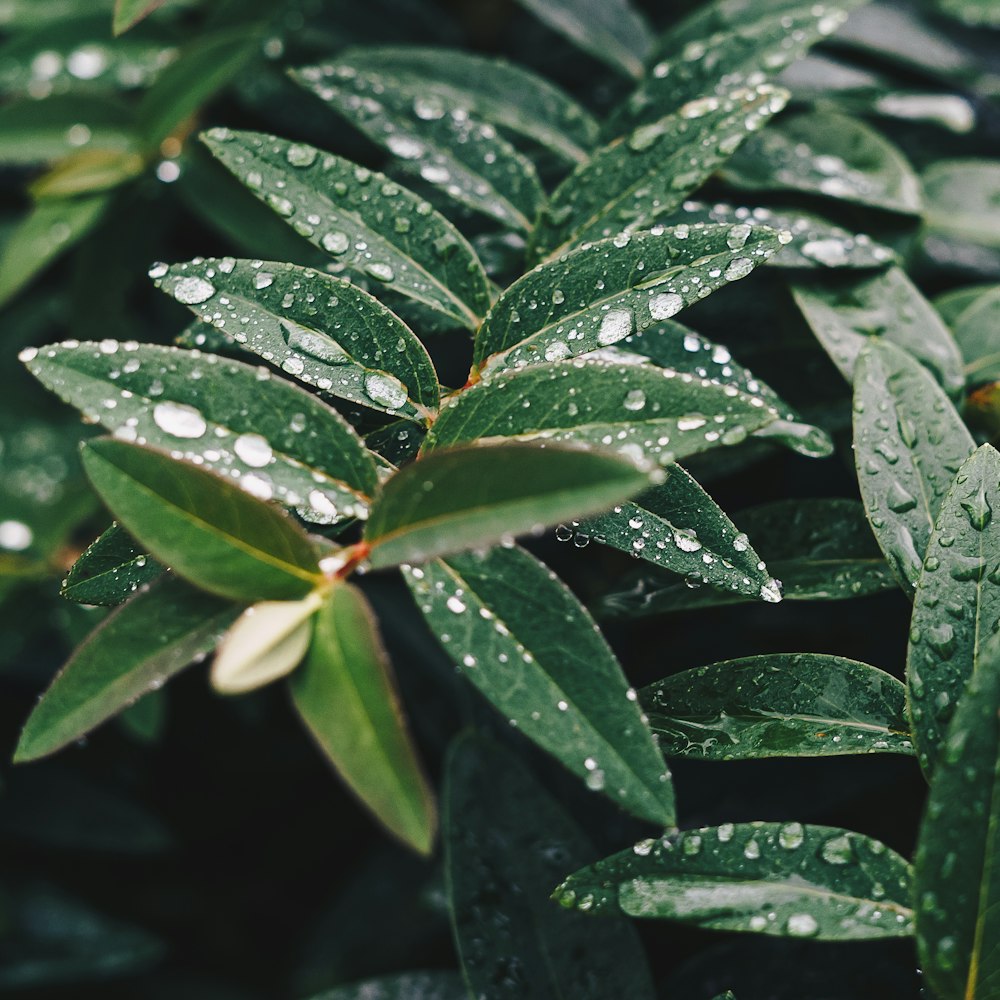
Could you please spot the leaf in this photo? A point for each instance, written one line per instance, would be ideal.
(599, 294)
(472, 497)
(612, 31)
(957, 602)
(110, 570)
(128, 13)
(886, 306)
(638, 410)
(346, 695)
(781, 879)
(827, 154)
(961, 197)
(908, 445)
(88, 171)
(636, 181)
(973, 320)
(820, 550)
(502, 853)
(321, 330)
(522, 104)
(272, 438)
(779, 705)
(955, 880)
(522, 638)
(204, 527)
(403, 986)
(157, 633)
(680, 527)
(265, 643)
(430, 262)
(971, 12)
(434, 139)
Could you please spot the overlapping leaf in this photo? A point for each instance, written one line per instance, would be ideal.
(403, 986)
(961, 198)
(974, 323)
(110, 570)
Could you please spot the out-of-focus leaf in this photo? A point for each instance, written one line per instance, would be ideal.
(88, 171)
(128, 13)
(975, 321)
(963, 200)
(972, 12)
(110, 570)
(404, 986)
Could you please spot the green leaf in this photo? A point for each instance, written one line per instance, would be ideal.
(110, 570)
(846, 314)
(128, 13)
(502, 853)
(524, 105)
(472, 497)
(157, 633)
(779, 705)
(522, 638)
(601, 293)
(323, 331)
(679, 527)
(86, 172)
(636, 181)
(428, 259)
(957, 601)
(612, 31)
(403, 986)
(434, 139)
(820, 550)
(908, 445)
(780, 879)
(962, 200)
(956, 887)
(973, 315)
(273, 439)
(204, 527)
(827, 154)
(638, 410)
(346, 695)
(972, 12)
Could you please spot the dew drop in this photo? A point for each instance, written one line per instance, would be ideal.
(385, 390)
(254, 450)
(192, 290)
(179, 420)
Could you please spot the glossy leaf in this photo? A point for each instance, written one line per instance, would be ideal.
(321, 330)
(503, 851)
(273, 439)
(636, 181)
(157, 633)
(204, 527)
(521, 637)
(782, 879)
(430, 262)
(403, 986)
(908, 445)
(887, 306)
(128, 13)
(433, 139)
(597, 295)
(957, 601)
(638, 410)
(520, 103)
(346, 695)
(612, 31)
(110, 570)
(956, 886)
(679, 527)
(975, 328)
(831, 155)
(472, 497)
(962, 197)
(779, 705)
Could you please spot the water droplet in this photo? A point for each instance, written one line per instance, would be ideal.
(381, 272)
(977, 508)
(455, 605)
(801, 925)
(899, 499)
(300, 155)
(336, 243)
(385, 390)
(616, 325)
(791, 836)
(738, 236)
(837, 850)
(738, 268)
(15, 536)
(665, 305)
(193, 290)
(262, 280)
(253, 449)
(179, 420)
(771, 591)
(635, 399)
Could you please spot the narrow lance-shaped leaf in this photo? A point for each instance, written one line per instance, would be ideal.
(680, 527)
(961, 198)
(369, 225)
(110, 570)
(472, 497)
(845, 314)
(273, 439)
(957, 874)
(434, 139)
(638, 410)
(908, 445)
(780, 879)
(346, 695)
(520, 103)
(779, 705)
(157, 633)
(598, 295)
(830, 155)
(636, 181)
(207, 529)
(129, 13)
(957, 601)
(321, 330)
(521, 637)
(503, 851)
